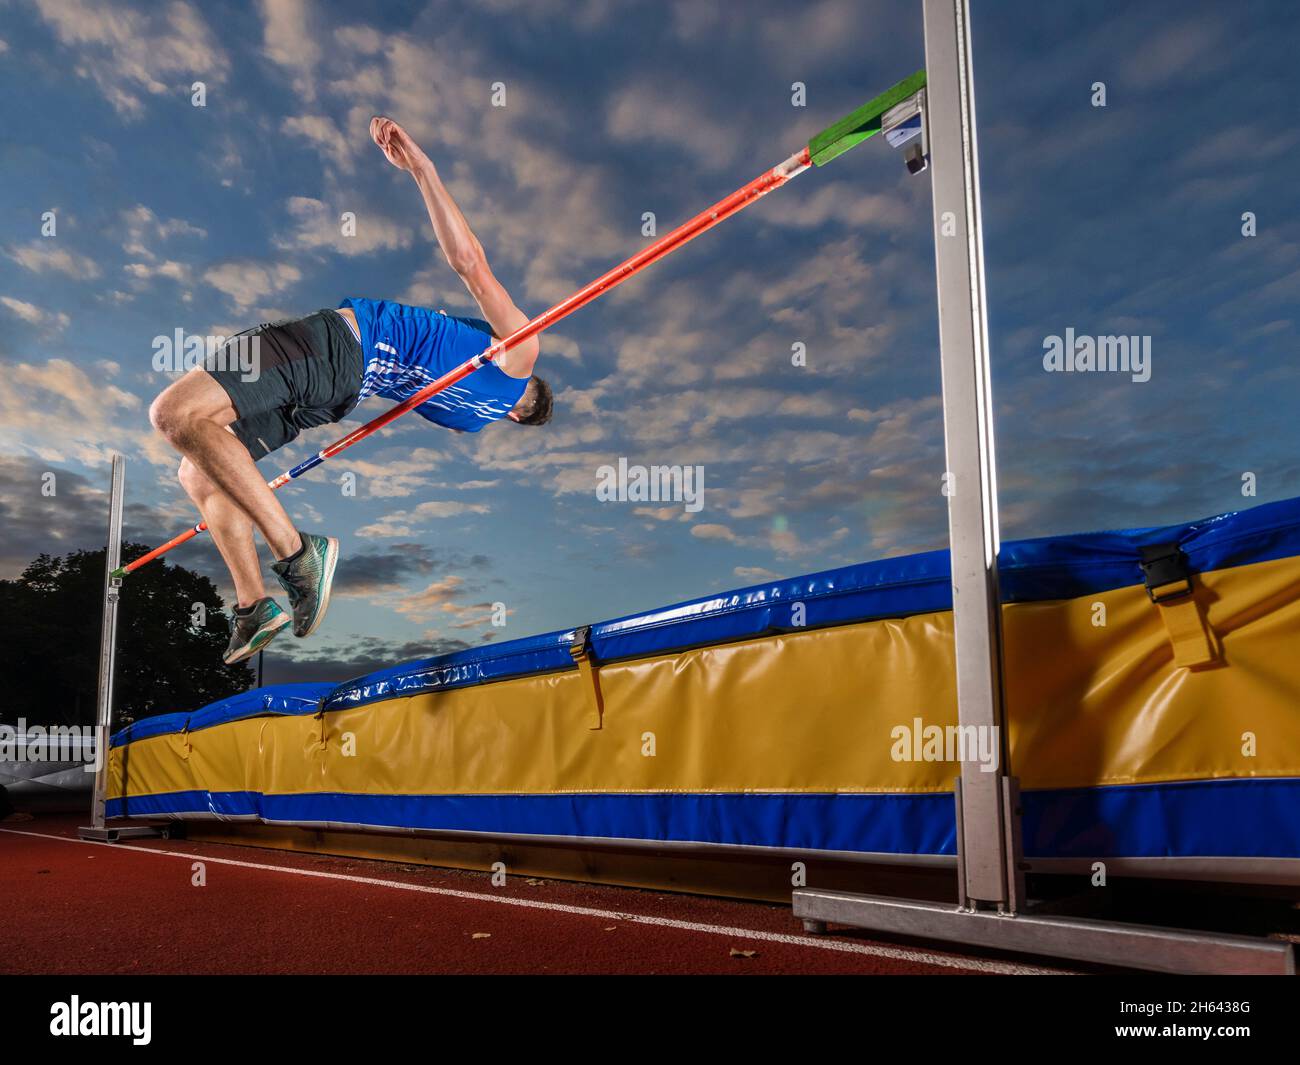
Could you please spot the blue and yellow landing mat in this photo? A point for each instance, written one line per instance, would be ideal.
(1153, 708)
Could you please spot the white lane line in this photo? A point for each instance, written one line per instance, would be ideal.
(815, 942)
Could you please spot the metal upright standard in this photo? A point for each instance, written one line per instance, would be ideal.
(97, 829)
(992, 910)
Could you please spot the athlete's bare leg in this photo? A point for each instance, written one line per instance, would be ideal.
(231, 529)
(192, 413)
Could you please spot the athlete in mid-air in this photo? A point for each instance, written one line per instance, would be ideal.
(314, 370)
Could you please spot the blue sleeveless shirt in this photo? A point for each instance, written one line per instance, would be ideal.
(405, 348)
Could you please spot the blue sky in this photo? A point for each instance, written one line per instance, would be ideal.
(1123, 219)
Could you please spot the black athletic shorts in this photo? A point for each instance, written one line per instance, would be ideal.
(284, 377)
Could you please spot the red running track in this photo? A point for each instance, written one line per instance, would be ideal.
(68, 906)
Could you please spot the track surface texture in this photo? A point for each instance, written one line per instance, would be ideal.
(137, 907)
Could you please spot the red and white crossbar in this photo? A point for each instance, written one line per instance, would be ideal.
(670, 242)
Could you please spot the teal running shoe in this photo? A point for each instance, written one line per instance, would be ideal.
(253, 629)
(307, 577)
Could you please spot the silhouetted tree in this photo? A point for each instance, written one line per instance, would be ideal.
(49, 641)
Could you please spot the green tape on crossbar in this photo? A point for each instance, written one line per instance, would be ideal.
(863, 123)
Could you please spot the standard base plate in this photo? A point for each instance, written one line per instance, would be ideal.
(111, 834)
(1132, 946)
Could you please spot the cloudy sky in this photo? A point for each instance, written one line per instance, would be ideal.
(1123, 219)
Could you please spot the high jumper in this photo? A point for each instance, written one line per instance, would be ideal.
(319, 368)
(315, 370)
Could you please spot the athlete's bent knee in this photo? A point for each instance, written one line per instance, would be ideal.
(167, 415)
(193, 480)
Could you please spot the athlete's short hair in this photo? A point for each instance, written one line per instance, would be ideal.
(534, 406)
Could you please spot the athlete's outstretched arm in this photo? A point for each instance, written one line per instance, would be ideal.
(463, 250)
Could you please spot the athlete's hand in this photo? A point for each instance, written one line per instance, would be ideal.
(396, 144)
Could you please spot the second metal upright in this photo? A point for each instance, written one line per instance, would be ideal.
(98, 829)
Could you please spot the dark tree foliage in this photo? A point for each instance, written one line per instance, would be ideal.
(49, 642)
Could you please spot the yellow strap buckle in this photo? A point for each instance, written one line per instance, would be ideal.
(580, 650)
(1169, 586)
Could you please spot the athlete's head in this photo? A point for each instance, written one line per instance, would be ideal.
(534, 406)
